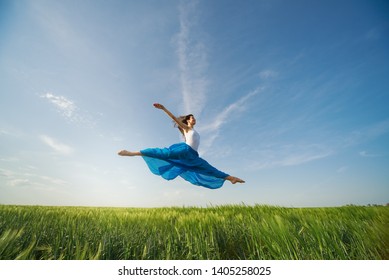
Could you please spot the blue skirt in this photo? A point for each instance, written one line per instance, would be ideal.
(181, 160)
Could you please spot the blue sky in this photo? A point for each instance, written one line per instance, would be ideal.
(291, 96)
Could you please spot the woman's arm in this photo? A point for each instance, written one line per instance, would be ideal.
(177, 121)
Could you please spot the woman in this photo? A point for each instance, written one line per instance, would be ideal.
(182, 159)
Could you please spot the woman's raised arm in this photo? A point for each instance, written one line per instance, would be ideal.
(173, 117)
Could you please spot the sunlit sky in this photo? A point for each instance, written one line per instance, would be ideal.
(291, 96)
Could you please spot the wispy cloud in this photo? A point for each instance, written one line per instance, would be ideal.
(367, 133)
(57, 146)
(22, 179)
(282, 155)
(192, 58)
(64, 105)
(268, 74)
(342, 169)
(69, 110)
(225, 116)
(193, 62)
(298, 159)
(377, 129)
(10, 131)
(18, 182)
(6, 173)
(368, 155)
(290, 155)
(373, 34)
(228, 111)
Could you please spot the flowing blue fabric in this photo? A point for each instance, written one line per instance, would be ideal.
(181, 160)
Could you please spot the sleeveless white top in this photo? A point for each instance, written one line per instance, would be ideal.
(192, 138)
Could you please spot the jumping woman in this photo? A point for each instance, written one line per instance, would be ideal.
(182, 159)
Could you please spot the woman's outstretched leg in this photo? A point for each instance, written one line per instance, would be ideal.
(160, 153)
(234, 180)
(129, 154)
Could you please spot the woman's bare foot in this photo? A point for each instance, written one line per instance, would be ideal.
(234, 180)
(129, 154)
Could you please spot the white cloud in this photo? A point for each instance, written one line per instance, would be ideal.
(56, 145)
(342, 169)
(268, 74)
(225, 116)
(292, 160)
(16, 178)
(368, 155)
(64, 105)
(296, 154)
(193, 62)
(227, 113)
(6, 173)
(192, 57)
(378, 129)
(290, 155)
(18, 182)
(9, 159)
(373, 34)
(368, 133)
(69, 110)
(10, 132)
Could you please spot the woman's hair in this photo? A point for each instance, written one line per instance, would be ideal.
(183, 119)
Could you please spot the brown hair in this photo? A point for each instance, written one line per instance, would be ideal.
(183, 119)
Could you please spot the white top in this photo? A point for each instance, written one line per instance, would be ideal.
(192, 138)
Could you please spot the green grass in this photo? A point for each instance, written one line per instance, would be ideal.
(225, 232)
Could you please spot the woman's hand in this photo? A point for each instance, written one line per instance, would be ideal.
(159, 106)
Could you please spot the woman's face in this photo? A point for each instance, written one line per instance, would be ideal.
(191, 121)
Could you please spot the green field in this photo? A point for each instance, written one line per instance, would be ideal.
(225, 232)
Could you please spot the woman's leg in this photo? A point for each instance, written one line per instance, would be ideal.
(129, 154)
(204, 168)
